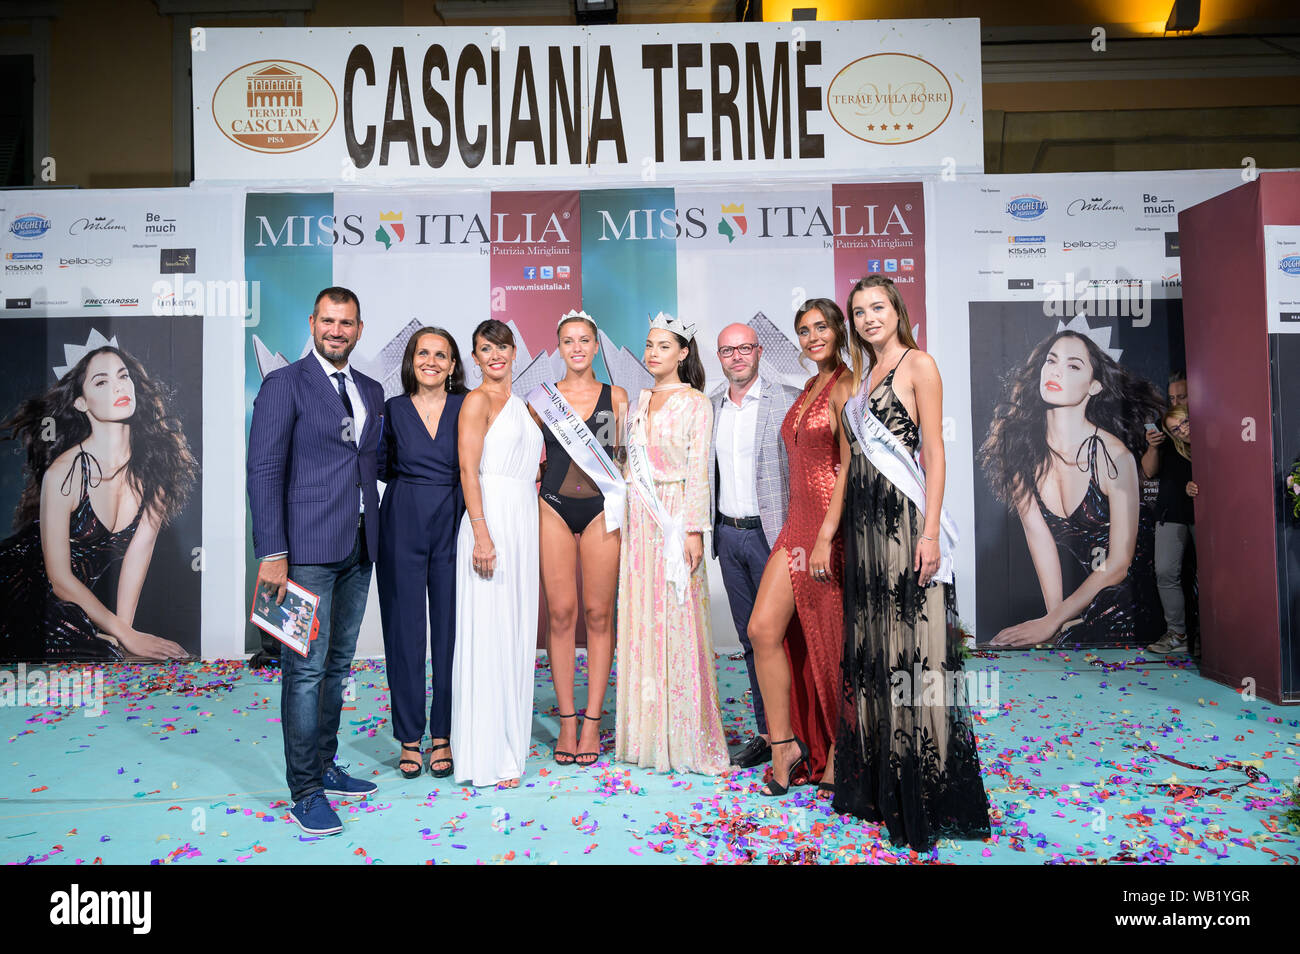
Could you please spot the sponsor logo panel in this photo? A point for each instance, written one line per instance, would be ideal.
(274, 106)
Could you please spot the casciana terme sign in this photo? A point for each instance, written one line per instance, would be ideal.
(624, 104)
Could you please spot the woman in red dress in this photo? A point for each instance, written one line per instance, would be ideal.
(802, 586)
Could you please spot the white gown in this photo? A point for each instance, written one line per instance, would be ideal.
(496, 619)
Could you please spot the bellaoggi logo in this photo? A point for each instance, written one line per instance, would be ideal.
(274, 106)
(889, 98)
(1290, 265)
(1027, 207)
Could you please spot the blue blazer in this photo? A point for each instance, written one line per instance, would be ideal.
(305, 480)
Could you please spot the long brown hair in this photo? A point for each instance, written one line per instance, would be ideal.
(864, 356)
(161, 468)
(834, 318)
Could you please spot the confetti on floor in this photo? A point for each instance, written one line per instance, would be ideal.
(1088, 758)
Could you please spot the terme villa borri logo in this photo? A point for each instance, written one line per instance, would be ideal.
(889, 98)
(274, 106)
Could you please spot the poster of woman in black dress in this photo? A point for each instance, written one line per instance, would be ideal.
(107, 468)
(1061, 453)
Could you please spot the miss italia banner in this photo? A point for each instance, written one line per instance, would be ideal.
(713, 256)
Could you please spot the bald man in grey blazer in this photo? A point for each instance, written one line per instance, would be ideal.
(751, 490)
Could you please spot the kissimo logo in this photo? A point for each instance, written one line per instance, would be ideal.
(274, 106)
(732, 222)
(1290, 265)
(1026, 207)
(390, 229)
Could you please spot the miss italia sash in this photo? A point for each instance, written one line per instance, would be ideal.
(583, 449)
(676, 571)
(888, 455)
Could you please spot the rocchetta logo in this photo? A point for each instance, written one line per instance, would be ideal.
(1026, 207)
(889, 98)
(274, 106)
(1290, 265)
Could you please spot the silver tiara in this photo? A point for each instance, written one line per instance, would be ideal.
(72, 353)
(669, 323)
(574, 315)
(1100, 336)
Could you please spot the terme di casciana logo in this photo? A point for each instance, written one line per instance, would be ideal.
(274, 106)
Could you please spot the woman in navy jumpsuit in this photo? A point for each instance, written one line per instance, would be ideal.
(416, 569)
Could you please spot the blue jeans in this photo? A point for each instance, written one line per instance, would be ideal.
(742, 555)
(311, 689)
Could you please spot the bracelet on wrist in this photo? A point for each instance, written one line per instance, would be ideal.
(476, 519)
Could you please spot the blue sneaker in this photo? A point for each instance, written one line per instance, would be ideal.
(342, 785)
(314, 815)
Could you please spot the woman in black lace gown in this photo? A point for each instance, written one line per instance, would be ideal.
(905, 752)
(1062, 451)
(103, 452)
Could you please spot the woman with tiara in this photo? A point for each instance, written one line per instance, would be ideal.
(583, 497)
(1062, 451)
(107, 468)
(667, 693)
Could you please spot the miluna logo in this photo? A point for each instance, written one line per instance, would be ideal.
(103, 907)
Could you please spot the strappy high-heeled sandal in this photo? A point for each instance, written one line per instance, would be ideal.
(591, 758)
(418, 763)
(775, 788)
(561, 757)
(442, 772)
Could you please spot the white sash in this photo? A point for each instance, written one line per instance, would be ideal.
(888, 455)
(676, 570)
(583, 449)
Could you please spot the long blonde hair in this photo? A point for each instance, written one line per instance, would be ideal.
(1173, 416)
(862, 354)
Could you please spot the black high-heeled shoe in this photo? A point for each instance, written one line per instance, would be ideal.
(418, 763)
(569, 758)
(588, 759)
(774, 788)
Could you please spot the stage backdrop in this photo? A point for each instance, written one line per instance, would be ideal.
(1023, 257)
(712, 255)
(624, 105)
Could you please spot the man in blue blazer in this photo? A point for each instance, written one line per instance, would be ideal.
(751, 479)
(312, 452)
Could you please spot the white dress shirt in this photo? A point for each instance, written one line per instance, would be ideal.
(354, 394)
(737, 429)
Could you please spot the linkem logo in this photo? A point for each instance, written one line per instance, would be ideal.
(73, 907)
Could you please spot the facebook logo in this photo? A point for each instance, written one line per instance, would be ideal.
(530, 272)
(873, 264)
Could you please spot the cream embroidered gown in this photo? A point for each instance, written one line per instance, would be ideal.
(667, 699)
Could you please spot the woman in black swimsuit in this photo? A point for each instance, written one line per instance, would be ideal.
(107, 468)
(1062, 451)
(573, 529)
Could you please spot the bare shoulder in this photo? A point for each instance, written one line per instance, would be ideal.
(617, 396)
(62, 479)
(1114, 445)
(476, 404)
(922, 366)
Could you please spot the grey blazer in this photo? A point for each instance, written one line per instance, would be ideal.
(771, 469)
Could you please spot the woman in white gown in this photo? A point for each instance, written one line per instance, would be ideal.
(496, 572)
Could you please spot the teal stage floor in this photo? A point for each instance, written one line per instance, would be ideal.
(184, 766)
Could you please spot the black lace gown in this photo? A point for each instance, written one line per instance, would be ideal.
(906, 759)
(35, 625)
